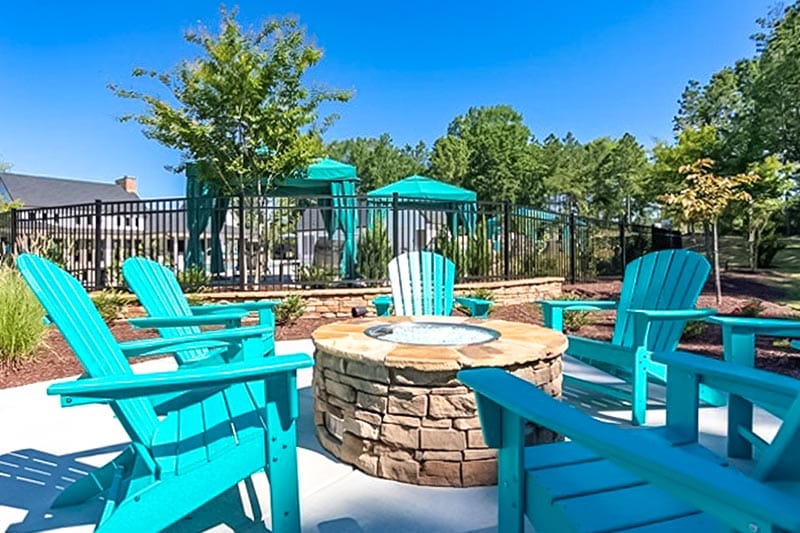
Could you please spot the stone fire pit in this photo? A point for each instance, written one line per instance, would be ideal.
(397, 411)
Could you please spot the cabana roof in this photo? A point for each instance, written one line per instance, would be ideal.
(423, 188)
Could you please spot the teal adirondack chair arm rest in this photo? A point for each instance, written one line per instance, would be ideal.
(773, 327)
(162, 345)
(231, 319)
(383, 305)
(264, 308)
(744, 504)
(645, 318)
(235, 306)
(553, 310)
(478, 307)
(138, 385)
(767, 389)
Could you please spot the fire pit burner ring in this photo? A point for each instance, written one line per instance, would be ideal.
(432, 333)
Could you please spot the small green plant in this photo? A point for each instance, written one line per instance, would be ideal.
(752, 308)
(110, 304)
(315, 276)
(575, 320)
(479, 294)
(289, 310)
(782, 343)
(693, 329)
(193, 279)
(21, 325)
(195, 299)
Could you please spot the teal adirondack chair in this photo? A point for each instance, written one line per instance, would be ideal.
(246, 423)
(612, 479)
(659, 292)
(422, 284)
(739, 346)
(158, 291)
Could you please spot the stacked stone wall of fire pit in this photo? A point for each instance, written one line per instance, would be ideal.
(411, 425)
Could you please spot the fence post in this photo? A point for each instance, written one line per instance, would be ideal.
(572, 247)
(506, 234)
(99, 282)
(242, 246)
(13, 231)
(623, 252)
(395, 223)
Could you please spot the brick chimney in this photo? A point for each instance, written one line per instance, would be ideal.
(128, 184)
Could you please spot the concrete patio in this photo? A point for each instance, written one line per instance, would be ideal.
(43, 446)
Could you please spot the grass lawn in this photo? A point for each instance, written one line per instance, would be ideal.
(784, 273)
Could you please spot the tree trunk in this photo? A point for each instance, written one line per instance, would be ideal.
(707, 241)
(717, 280)
(752, 240)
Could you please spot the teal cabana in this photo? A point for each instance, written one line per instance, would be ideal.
(334, 182)
(420, 192)
(527, 221)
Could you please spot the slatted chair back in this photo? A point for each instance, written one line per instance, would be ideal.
(69, 307)
(422, 284)
(159, 292)
(663, 280)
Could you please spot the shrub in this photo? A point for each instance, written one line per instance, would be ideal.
(575, 320)
(693, 329)
(316, 276)
(193, 279)
(289, 310)
(21, 325)
(195, 299)
(768, 248)
(110, 304)
(479, 255)
(752, 308)
(47, 247)
(374, 252)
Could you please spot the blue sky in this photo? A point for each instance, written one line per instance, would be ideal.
(593, 68)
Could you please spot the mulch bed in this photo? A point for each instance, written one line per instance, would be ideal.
(54, 359)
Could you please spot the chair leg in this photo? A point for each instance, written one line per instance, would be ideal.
(639, 386)
(281, 448)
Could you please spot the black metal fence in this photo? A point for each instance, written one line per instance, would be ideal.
(256, 243)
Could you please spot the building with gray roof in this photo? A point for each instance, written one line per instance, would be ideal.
(40, 191)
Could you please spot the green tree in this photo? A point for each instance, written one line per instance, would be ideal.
(726, 104)
(776, 90)
(449, 160)
(768, 200)
(560, 164)
(497, 143)
(378, 160)
(703, 199)
(692, 144)
(241, 107)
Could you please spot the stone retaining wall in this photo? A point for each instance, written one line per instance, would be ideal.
(412, 426)
(337, 303)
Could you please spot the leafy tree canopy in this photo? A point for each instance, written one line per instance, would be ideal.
(378, 160)
(241, 107)
(495, 143)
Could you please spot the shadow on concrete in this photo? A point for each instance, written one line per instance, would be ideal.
(31, 479)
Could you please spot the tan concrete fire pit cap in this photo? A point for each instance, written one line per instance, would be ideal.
(518, 343)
